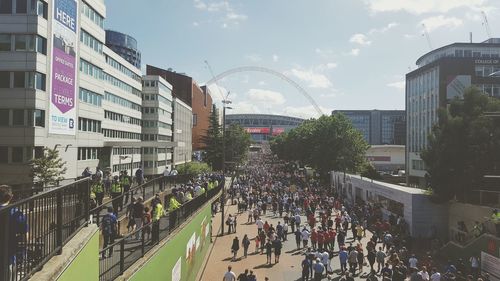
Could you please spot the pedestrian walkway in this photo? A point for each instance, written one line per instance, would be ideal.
(289, 267)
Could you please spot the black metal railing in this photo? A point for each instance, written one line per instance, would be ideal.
(131, 247)
(35, 229)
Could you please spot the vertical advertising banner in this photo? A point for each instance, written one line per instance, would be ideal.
(62, 108)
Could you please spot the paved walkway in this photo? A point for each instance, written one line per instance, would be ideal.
(289, 267)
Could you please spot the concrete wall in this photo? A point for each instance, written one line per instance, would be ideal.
(469, 214)
(183, 253)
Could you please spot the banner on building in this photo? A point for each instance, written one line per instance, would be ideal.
(62, 109)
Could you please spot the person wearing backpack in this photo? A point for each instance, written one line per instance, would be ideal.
(125, 182)
(109, 227)
(138, 213)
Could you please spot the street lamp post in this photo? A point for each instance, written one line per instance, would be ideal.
(223, 197)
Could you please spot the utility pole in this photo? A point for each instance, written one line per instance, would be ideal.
(223, 196)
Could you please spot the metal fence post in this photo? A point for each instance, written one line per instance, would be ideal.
(4, 242)
(59, 216)
(86, 203)
(122, 256)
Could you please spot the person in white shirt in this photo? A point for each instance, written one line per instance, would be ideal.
(325, 260)
(174, 172)
(229, 275)
(260, 225)
(413, 261)
(424, 274)
(305, 237)
(435, 276)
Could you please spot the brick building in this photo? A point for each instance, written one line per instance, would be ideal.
(198, 98)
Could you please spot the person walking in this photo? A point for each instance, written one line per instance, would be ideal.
(157, 212)
(277, 250)
(229, 275)
(298, 237)
(269, 251)
(318, 268)
(381, 255)
(109, 228)
(246, 243)
(97, 189)
(138, 214)
(125, 182)
(371, 257)
(235, 247)
(116, 192)
(343, 256)
(306, 265)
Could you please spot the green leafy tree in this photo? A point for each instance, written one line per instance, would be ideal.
(370, 172)
(464, 146)
(237, 143)
(193, 168)
(328, 143)
(213, 141)
(48, 169)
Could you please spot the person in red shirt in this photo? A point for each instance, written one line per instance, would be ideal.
(332, 235)
(314, 238)
(321, 240)
(312, 220)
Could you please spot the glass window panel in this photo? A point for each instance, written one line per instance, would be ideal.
(20, 42)
(4, 117)
(4, 79)
(41, 45)
(21, 6)
(39, 116)
(4, 155)
(5, 6)
(19, 79)
(18, 117)
(5, 43)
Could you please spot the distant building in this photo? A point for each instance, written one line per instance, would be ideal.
(379, 126)
(442, 75)
(196, 97)
(125, 46)
(387, 158)
(182, 132)
(263, 126)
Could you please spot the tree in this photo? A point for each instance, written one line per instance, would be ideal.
(213, 141)
(369, 171)
(48, 169)
(193, 168)
(237, 143)
(326, 144)
(463, 146)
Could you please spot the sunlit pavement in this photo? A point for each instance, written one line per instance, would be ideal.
(288, 269)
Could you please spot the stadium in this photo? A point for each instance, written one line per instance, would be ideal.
(262, 127)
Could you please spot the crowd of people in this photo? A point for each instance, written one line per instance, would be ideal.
(326, 226)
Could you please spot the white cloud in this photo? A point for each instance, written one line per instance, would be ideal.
(275, 58)
(383, 29)
(422, 6)
(354, 52)
(196, 23)
(266, 97)
(243, 107)
(326, 66)
(410, 36)
(262, 83)
(360, 39)
(436, 22)
(326, 54)
(229, 17)
(315, 80)
(253, 57)
(400, 85)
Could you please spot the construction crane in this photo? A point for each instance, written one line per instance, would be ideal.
(486, 24)
(426, 34)
(215, 80)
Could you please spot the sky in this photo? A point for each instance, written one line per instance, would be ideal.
(344, 54)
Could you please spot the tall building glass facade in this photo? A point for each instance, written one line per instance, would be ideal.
(124, 45)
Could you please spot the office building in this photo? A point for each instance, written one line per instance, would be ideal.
(198, 98)
(182, 132)
(379, 126)
(442, 75)
(156, 124)
(62, 88)
(262, 127)
(125, 46)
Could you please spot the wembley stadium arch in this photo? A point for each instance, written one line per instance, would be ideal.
(268, 71)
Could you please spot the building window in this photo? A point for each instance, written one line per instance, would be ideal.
(21, 6)
(90, 97)
(4, 117)
(4, 153)
(4, 79)
(5, 43)
(41, 45)
(195, 119)
(18, 117)
(39, 7)
(39, 118)
(19, 79)
(5, 6)
(17, 154)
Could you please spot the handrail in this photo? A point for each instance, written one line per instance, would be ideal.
(114, 266)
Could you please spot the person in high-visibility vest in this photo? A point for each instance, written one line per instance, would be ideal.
(125, 182)
(116, 191)
(157, 213)
(173, 204)
(98, 189)
(495, 218)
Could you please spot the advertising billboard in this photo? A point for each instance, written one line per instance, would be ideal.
(62, 109)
